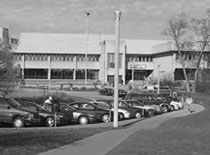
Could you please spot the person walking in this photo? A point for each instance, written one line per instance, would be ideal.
(189, 102)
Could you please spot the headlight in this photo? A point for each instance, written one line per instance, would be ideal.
(30, 116)
(91, 115)
(127, 113)
(59, 116)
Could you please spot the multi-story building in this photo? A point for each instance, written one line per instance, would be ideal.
(48, 58)
(4, 35)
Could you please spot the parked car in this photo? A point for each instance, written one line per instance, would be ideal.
(106, 91)
(12, 112)
(151, 100)
(122, 93)
(99, 114)
(79, 116)
(173, 102)
(47, 118)
(135, 112)
(148, 111)
(123, 114)
(110, 92)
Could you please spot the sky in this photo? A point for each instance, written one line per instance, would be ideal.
(140, 19)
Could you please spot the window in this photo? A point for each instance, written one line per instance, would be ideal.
(111, 60)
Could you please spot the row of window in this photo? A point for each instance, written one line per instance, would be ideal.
(42, 57)
(194, 57)
(60, 74)
(140, 58)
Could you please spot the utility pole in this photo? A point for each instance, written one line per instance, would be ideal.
(133, 69)
(116, 75)
(158, 89)
(86, 52)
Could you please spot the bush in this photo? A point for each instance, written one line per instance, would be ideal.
(203, 87)
(60, 97)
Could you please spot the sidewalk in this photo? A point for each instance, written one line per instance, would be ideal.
(102, 143)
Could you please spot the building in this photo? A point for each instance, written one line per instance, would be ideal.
(4, 35)
(53, 59)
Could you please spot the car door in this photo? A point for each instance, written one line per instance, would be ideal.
(6, 111)
(66, 110)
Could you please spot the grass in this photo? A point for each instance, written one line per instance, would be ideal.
(186, 135)
(33, 140)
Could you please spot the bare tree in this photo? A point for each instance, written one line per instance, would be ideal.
(201, 29)
(177, 30)
(9, 73)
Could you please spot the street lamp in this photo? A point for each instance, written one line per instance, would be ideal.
(158, 89)
(116, 75)
(86, 32)
(133, 67)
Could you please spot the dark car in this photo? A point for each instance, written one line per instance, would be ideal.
(47, 118)
(98, 113)
(12, 112)
(122, 93)
(79, 116)
(56, 109)
(106, 91)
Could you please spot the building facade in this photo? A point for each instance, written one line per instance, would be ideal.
(50, 59)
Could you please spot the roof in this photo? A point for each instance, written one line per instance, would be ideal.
(64, 43)
(60, 43)
(142, 46)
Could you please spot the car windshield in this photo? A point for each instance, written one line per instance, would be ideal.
(101, 105)
(14, 103)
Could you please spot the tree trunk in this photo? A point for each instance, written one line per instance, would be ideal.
(184, 71)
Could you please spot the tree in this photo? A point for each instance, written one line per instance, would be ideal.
(201, 29)
(177, 30)
(9, 73)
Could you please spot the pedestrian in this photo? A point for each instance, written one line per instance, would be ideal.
(49, 104)
(189, 102)
(49, 100)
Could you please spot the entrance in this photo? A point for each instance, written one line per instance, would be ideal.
(110, 79)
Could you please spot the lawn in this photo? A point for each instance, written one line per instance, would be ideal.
(188, 135)
(30, 141)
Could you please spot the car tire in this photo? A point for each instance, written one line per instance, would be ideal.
(83, 120)
(18, 122)
(121, 116)
(105, 118)
(49, 121)
(172, 108)
(138, 114)
(164, 109)
(150, 113)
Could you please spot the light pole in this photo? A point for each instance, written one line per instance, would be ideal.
(158, 89)
(133, 67)
(116, 75)
(86, 32)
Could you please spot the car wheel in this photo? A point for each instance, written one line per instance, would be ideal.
(18, 122)
(164, 108)
(49, 121)
(83, 120)
(172, 108)
(150, 113)
(137, 114)
(105, 118)
(121, 116)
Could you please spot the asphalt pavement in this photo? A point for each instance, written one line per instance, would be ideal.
(102, 143)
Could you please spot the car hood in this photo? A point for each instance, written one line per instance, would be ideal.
(27, 110)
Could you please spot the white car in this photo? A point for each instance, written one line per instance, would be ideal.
(176, 105)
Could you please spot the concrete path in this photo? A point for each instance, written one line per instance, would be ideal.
(102, 143)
